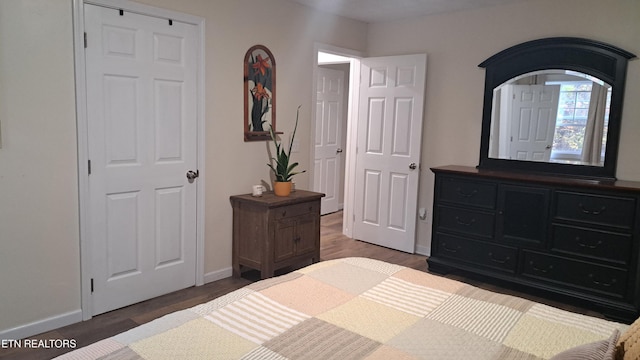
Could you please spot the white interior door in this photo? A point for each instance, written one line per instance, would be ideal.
(533, 121)
(142, 134)
(328, 137)
(388, 150)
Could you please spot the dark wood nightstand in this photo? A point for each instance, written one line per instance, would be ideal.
(272, 232)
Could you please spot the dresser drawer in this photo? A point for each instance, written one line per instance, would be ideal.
(466, 221)
(477, 252)
(598, 244)
(578, 274)
(596, 209)
(472, 193)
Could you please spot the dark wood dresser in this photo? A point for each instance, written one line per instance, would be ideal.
(272, 232)
(576, 239)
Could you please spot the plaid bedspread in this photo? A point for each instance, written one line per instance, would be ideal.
(356, 308)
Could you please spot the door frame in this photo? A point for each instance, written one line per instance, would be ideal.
(84, 199)
(352, 126)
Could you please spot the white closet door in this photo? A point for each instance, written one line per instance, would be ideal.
(141, 100)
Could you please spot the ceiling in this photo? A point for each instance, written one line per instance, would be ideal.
(372, 11)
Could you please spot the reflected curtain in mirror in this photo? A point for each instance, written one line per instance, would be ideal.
(596, 124)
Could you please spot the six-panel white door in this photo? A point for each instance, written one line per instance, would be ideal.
(388, 150)
(328, 137)
(141, 101)
(533, 125)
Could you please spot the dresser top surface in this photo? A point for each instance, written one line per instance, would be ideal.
(620, 185)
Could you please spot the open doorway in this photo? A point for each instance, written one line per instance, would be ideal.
(383, 139)
(332, 97)
(333, 109)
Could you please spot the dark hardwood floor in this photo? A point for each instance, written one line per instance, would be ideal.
(333, 245)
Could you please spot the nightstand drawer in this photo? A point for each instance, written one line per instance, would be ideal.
(606, 245)
(296, 210)
(596, 209)
(579, 274)
(466, 221)
(477, 252)
(478, 194)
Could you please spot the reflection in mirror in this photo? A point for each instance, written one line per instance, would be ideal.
(556, 116)
(582, 83)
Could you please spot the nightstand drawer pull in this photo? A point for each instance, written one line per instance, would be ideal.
(284, 213)
(592, 212)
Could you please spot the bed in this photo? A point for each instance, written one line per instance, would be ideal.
(359, 308)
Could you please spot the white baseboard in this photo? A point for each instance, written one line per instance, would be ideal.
(218, 275)
(423, 250)
(41, 326)
(72, 317)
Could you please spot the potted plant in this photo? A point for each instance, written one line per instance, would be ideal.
(283, 171)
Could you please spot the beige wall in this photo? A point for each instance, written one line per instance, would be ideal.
(39, 241)
(457, 42)
(39, 237)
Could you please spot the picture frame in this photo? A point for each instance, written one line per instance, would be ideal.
(259, 93)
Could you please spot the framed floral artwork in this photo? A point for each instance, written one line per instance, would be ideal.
(259, 93)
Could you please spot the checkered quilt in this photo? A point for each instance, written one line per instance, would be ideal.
(357, 308)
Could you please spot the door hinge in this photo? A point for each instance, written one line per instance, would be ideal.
(92, 285)
(85, 39)
(89, 166)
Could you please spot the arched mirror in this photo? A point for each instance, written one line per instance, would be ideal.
(554, 106)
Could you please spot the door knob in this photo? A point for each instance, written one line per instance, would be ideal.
(413, 166)
(338, 151)
(191, 175)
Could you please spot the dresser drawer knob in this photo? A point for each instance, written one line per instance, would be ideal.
(467, 194)
(585, 245)
(591, 212)
(537, 269)
(284, 213)
(499, 261)
(465, 223)
(600, 283)
(451, 250)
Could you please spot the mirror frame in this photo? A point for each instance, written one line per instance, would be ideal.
(594, 58)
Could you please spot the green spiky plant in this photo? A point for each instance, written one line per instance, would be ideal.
(282, 170)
